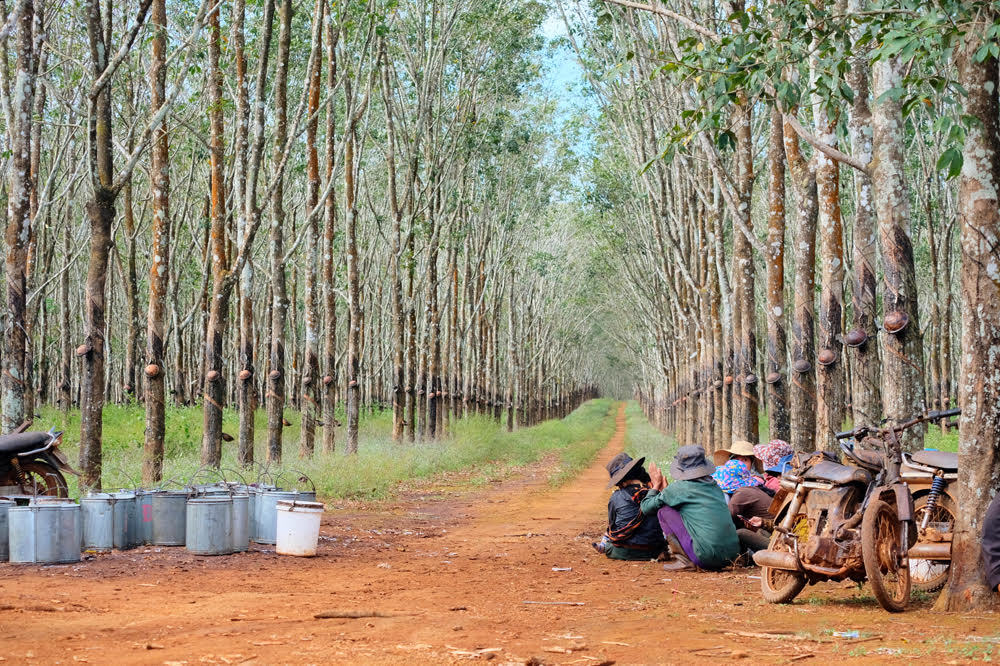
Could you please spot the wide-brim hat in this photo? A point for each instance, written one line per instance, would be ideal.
(620, 466)
(740, 447)
(690, 463)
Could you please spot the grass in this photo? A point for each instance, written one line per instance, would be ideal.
(643, 439)
(376, 472)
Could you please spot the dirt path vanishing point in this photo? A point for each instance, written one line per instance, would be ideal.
(442, 576)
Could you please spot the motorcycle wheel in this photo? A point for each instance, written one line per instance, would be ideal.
(43, 479)
(931, 575)
(780, 586)
(880, 546)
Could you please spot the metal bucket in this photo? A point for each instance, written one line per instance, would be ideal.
(19, 500)
(265, 527)
(98, 515)
(126, 520)
(241, 523)
(144, 516)
(210, 525)
(169, 517)
(44, 533)
(5, 506)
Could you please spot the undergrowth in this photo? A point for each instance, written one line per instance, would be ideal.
(374, 473)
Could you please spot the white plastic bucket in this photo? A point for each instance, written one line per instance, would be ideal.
(298, 527)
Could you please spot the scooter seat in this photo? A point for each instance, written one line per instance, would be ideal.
(837, 474)
(939, 459)
(22, 441)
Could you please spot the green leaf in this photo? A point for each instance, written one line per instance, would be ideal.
(950, 162)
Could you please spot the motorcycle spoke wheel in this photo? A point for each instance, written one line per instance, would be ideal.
(779, 586)
(931, 575)
(42, 479)
(880, 550)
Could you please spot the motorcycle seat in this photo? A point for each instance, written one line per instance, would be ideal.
(869, 458)
(22, 441)
(837, 474)
(939, 459)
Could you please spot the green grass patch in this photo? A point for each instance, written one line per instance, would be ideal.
(643, 439)
(378, 469)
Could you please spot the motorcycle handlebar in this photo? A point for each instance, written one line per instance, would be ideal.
(929, 416)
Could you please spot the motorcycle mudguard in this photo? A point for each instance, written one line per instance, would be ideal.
(904, 502)
(58, 459)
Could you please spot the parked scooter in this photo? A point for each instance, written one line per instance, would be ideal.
(32, 464)
(838, 522)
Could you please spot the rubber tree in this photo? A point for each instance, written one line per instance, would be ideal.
(979, 385)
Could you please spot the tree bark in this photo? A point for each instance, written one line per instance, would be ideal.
(777, 371)
(902, 376)
(159, 269)
(979, 388)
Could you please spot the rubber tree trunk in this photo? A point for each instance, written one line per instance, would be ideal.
(159, 268)
(279, 301)
(329, 249)
(310, 376)
(745, 424)
(213, 385)
(802, 376)
(866, 393)
(15, 343)
(902, 375)
(979, 387)
(353, 299)
(830, 395)
(776, 378)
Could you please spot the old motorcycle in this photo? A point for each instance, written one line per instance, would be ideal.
(844, 522)
(32, 464)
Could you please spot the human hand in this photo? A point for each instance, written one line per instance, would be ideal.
(656, 478)
(755, 522)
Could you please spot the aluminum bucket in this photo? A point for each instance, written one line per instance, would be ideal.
(144, 516)
(241, 523)
(98, 515)
(169, 517)
(265, 528)
(44, 533)
(5, 506)
(126, 520)
(210, 525)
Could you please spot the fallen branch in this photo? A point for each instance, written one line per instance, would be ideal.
(357, 614)
(555, 603)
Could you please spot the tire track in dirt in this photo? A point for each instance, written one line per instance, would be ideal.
(448, 577)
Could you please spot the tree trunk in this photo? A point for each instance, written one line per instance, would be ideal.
(218, 310)
(15, 342)
(866, 394)
(777, 372)
(902, 376)
(803, 377)
(279, 307)
(979, 388)
(159, 270)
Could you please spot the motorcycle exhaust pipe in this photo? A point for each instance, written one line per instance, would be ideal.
(931, 551)
(776, 560)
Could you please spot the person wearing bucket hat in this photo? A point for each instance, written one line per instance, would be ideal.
(631, 535)
(692, 513)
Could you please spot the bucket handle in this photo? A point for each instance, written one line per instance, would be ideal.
(304, 477)
(234, 472)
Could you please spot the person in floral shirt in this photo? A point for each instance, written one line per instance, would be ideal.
(748, 491)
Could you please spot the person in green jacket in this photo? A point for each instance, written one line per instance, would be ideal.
(692, 513)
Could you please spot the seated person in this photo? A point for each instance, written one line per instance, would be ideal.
(746, 492)
(991, 544)
(631, 535)
(692, 513)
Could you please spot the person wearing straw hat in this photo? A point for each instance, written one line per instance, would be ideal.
(631, 535)
(692, 513)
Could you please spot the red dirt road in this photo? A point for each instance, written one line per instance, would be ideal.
(447, 572)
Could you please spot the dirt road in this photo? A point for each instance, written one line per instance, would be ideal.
(442, 576)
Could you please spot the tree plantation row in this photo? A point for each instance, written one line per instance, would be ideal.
(271, 203)
(801, 201)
